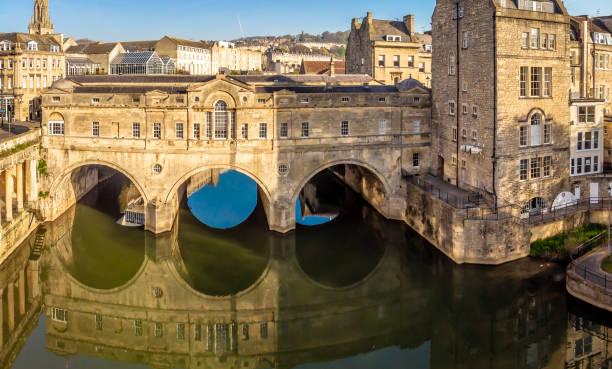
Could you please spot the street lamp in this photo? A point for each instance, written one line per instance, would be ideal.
(2, 104)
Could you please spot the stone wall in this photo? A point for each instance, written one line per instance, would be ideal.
(465, 240)
(588, 291)
(71, 190)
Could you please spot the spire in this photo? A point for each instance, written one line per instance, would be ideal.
(41, 21)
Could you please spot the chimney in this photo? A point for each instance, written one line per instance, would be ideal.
(332, 72)
(369, 17)
(409, 23)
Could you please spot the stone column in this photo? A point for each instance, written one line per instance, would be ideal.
(19, 170)
(10, 297)
(1, 318)
(31, 167)
(33, 282)
(8, 194)
(22, 292)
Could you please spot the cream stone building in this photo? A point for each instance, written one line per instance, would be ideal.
(92, 58)
(29, 63)
(389, 51)
(285, 63)
(500, 100)
(194, 57)
(233, 58)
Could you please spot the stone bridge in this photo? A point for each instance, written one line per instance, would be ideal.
(160, 132)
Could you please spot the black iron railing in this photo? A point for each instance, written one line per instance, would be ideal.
(451, 197)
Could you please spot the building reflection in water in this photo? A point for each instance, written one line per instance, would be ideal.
(406, 305)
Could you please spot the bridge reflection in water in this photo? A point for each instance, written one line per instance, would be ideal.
(377, 296)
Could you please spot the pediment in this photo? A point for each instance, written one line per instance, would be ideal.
(156, 93)
(220, 83)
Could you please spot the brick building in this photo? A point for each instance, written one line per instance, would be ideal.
(389, 51)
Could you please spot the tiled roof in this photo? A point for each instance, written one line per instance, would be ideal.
(322, 67)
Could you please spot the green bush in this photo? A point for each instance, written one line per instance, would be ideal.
(606, 265)
(563, 243)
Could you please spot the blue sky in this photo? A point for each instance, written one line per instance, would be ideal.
(121, 20)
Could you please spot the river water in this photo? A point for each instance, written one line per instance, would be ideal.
(357, 292)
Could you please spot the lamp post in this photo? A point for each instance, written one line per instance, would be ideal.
(610, 198)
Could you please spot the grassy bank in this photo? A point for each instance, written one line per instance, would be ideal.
(560, 246)
(606, 265)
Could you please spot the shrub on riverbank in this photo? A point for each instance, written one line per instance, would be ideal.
(606, 265)
(561, 245)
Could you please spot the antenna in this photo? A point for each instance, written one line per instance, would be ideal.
(241, 30)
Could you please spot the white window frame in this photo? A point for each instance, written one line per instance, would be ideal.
(59, 315)
(263, 131)
(135, 130)
(56, 128)
(344, 128)
(179, 131)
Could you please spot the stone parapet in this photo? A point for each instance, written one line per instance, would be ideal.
(588, 291)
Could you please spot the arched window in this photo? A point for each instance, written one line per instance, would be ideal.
(221, 120)
(536, 129)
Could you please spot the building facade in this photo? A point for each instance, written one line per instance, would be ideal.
(502, 129)
(389, 51)
(283, 62)
(235, 58)
(193, 57)
(29, 63)
(91, 58)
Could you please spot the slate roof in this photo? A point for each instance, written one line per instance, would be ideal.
(304, 78)
(604, 22)
(381, 28)
(93, 48)
(129, 89)
(327, 89)
(44, 41)
(135, 46)
(144, 79)
(198, 44)
(322, 67)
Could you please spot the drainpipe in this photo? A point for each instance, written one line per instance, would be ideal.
(457, 74)
(495, 94)
(585, 58)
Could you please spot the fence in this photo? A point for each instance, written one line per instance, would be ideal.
(597, 277)
(456, 200)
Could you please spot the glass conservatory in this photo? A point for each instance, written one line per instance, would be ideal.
(137, 63)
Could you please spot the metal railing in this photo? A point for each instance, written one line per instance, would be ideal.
(455, 200)
(597, 277)
(592, 203)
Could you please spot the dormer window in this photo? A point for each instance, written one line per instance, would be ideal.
(5, 45)
(393, 38)
(95, 100)
(32, 46)
(602, 38)
(54, 49)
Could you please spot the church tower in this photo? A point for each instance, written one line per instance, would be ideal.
(41, 22)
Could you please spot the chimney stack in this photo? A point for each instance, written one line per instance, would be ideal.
(409, 23)
(369, 17)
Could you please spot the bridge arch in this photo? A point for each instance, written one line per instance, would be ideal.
(68, 171)
(183, 179)
(311, 174)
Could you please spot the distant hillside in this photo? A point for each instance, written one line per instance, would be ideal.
(340, 37)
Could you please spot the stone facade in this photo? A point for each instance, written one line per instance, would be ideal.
(496, 135)
(389, 51)
(29, 63)
(160, 131)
